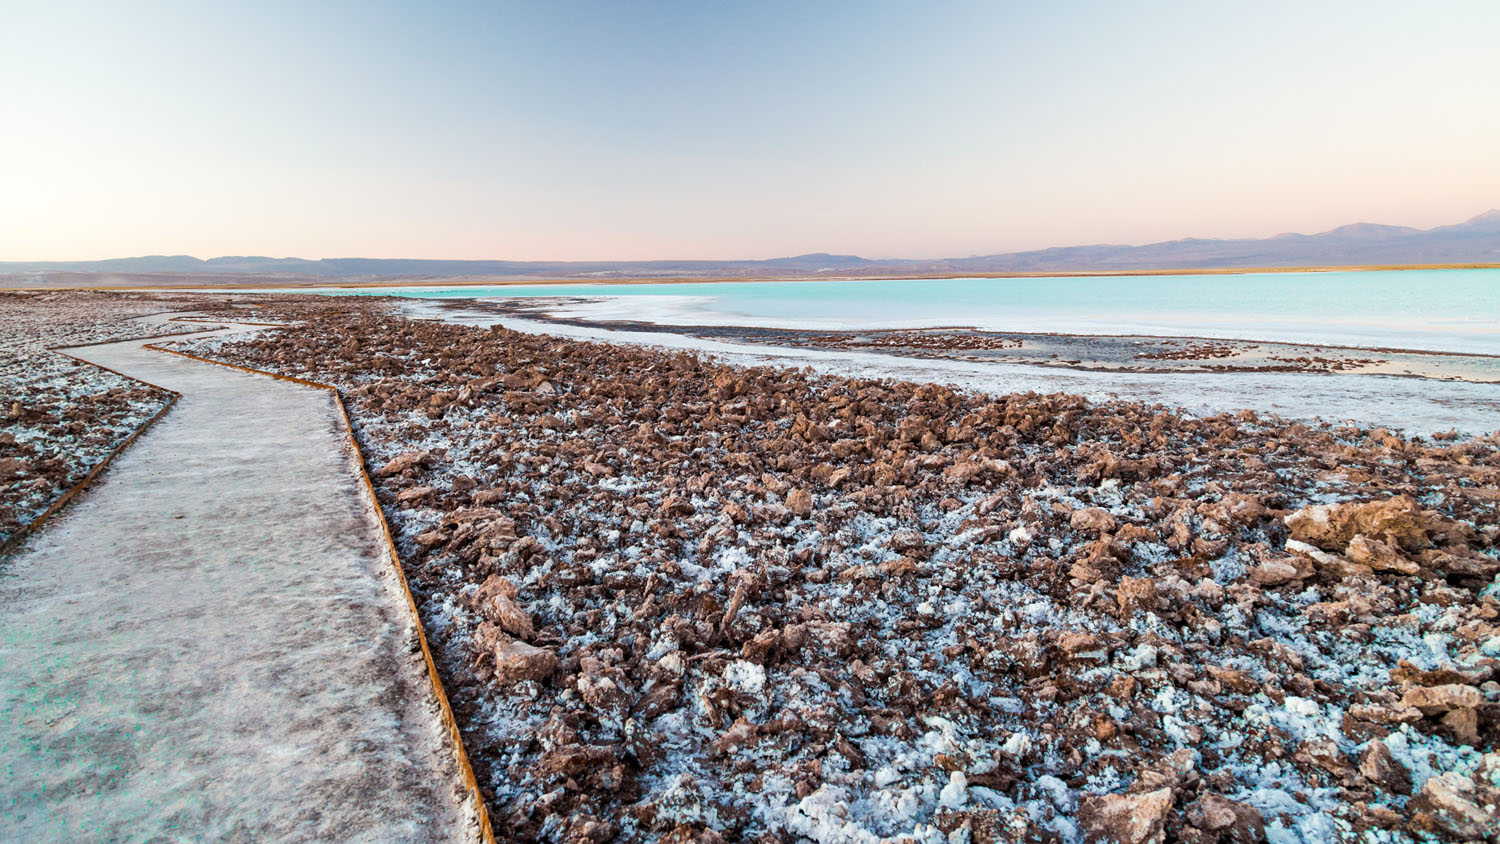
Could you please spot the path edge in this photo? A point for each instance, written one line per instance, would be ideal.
(466, 771)
(24, 531)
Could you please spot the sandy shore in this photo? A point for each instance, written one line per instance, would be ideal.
(687, 601)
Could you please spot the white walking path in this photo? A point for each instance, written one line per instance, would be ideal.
(210, 644)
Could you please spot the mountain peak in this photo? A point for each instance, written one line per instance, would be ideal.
(1369, 231)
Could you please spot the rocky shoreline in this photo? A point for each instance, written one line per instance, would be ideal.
(680, 601)
(1098, 353)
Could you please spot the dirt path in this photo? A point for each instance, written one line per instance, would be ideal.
(209, 645)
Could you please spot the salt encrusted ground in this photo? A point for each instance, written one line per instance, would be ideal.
(684, 601)
(61, 417)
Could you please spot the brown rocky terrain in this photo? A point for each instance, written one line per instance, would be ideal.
(681, 601)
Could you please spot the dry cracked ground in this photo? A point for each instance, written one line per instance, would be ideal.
(680, 601)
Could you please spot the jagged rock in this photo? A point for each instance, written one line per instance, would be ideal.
(1233, 680)
(1335, 564)
(432, 538)
(1466, 565)
(1125, 818)
(963, 472)
(1235, 823)
(1136, 593)
(740, 735)
(1277, 572)
(415, 494)
(401, 462)
(1457, 806)
(677, 506)
(1463, 725)
(598, 470)
(1083, 646)
(516, 661)
(600, 690)
(800, 502)
(1377, 765)
(1381, 714)
(1435, 700)
(1322, 752)
(907, 542)
(1398, 521)
(1236, 508)
(496, 600)
(1092, 519)
(1379, 556)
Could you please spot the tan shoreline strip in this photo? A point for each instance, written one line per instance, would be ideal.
(486, 834)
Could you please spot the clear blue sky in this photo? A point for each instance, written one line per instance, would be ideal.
(575, 130)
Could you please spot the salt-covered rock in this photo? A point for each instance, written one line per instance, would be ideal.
(1435, 700)
(516, 661)
(496, 601)
(1456, 805)
(1125, 818)
(1095, 519)
(1397, 520)
(1377, 765)
(956, 793)
(401, 462)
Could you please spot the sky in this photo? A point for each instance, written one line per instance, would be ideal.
(558, 130)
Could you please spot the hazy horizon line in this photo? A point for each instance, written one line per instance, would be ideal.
(251, 255)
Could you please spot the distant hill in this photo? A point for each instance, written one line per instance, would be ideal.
(1360, 244)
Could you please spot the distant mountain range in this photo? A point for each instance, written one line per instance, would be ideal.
(1360, 244)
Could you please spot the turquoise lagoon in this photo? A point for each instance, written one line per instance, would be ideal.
(1444, 310)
